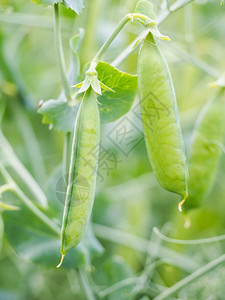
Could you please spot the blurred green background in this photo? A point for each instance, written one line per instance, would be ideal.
(129, 202)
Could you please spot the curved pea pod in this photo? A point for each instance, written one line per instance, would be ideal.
(160, 119)
(83, 173)
(206, 149)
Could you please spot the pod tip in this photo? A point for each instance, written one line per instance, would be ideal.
(61, 261)
(181, 203)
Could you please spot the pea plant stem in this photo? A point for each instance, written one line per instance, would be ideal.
(31, 144)
(142, 245)
(175, 7)
(8, 156)
(5, 188)
(117, 286)
(123, 22)
(214, 239)
(90, 17)
(162, 17)
(193, 60)
(138, 281)
(195, 275)
(15, 188)
(59, 52)
(38, 213)
(84, 284)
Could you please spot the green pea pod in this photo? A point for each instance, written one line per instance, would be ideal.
(206, 150)
(83, 173)
(160, 119)
(1, 231)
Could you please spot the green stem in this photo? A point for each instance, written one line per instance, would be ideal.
(138, 281)
(117, 286)
(188, 22)
(123, 22)
(14, 187)
(91, 17)
(84, 284)
(184, 282)
(142, 245)
(194, 61)
(11, 159)
(32, 146)
(59, 51)
(38, 213)
(6, 188)
(189, 242)
(175, 7)
(131, 48)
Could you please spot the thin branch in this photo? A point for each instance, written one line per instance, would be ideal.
(15, 188)
(175, 7)
(189, 242)
(142, 245)
(59, 51)
(85, 286)
(192, 277)
(9, 157)
(131, 48)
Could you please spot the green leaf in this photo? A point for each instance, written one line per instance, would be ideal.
(114, 104)
(75, 5)
(60, 114)
(144, 7)
(34, 241)
(47, 2)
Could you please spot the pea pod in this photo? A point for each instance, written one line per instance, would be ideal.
(206, 150)
(1, 231)
(160, 119)
(83, 172)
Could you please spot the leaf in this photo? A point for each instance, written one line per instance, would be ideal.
(144, 7)
(114, 104)
(60, 114)
(47, 2)
(75, 5)
(34, 241)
